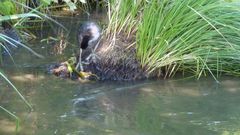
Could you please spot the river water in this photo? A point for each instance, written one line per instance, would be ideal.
(174, 106)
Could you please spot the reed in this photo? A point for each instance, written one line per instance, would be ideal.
(199, 37)
(17, 120)
(5, 39)
(124, 17)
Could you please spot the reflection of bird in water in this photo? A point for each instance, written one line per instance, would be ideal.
(88, 37)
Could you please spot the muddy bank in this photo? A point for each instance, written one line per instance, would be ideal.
(115, 62)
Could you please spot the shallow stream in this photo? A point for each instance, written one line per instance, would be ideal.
(150, 107)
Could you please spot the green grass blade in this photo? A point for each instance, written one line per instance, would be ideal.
(14, 116)
(16, 90)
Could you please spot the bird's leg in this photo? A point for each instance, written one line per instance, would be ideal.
(79, 65)
(93, 56)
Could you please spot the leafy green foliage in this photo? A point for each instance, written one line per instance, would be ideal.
(7, 7)
(46, 2)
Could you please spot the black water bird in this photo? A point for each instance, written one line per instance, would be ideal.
(88, 39)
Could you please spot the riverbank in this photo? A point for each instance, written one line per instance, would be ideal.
(115, 61)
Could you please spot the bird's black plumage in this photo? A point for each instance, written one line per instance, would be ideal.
(85, 41)
(88, 34)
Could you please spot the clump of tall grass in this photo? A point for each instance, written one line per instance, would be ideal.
(181, 35)
(188, 35)
(123, 16)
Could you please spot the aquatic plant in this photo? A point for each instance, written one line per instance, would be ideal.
(17, 120)
(200, 37)
(12, 42)
(48, 5)
(124, 17)
(196, 36)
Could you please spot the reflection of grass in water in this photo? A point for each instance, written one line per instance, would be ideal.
(146, 118)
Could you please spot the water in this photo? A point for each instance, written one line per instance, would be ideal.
(149, 107)
(152, 107)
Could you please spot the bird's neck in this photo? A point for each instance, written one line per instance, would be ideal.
(85, 41)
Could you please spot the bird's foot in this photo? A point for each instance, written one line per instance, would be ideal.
(85, 62)
(92, 57)
(79, 66)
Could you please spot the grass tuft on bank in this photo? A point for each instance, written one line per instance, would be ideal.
(199, 37)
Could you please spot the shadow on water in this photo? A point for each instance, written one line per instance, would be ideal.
(150, 107)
